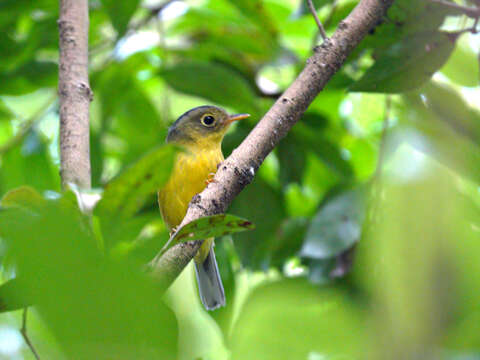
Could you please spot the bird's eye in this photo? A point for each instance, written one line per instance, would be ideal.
(208, 120)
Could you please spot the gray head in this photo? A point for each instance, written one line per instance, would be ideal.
(202, 126)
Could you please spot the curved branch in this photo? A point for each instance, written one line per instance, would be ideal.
(239, 168)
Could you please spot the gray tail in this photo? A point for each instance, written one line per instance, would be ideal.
(209, 282)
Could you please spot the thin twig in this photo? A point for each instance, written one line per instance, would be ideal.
(317, 20)
(472, 12)
(27, 126)
(153, 12)
(23, 331)
(326, 23)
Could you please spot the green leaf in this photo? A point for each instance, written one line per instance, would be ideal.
(408, 64)
(216, 83)
(337, 226)
(24, 197)
(120, 13)
(126, 194)
(209, 226)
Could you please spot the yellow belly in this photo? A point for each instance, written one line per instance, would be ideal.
(188, 178)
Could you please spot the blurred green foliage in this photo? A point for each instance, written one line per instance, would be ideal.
(367, 214)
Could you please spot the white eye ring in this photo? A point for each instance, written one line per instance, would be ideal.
(208, 120)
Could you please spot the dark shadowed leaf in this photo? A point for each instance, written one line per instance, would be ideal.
(325, 149)
(264, 206)
(216, 83)
(28, 78)
(408, 64)
(290, 237)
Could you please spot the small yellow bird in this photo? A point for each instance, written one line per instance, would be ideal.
(200, 132)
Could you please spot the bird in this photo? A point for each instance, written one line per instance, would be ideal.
(199, 132)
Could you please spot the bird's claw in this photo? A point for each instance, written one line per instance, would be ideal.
(210, 178)
(173, 231)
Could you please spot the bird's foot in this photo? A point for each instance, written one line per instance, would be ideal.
(173, 231)
(210, 178)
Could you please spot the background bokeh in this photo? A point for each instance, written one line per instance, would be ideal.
(367, 214)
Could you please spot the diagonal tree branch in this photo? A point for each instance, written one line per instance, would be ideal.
(238, 170)
(74, 93)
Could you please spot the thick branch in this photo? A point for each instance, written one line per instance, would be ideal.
(238, 169)
(74, 93)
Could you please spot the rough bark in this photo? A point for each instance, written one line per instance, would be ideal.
(74, 93)
(238, 170)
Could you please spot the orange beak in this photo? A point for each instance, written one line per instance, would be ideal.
(236, 117)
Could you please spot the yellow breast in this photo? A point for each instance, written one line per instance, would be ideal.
(188, 178)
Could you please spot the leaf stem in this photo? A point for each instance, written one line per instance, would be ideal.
(23, 331)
